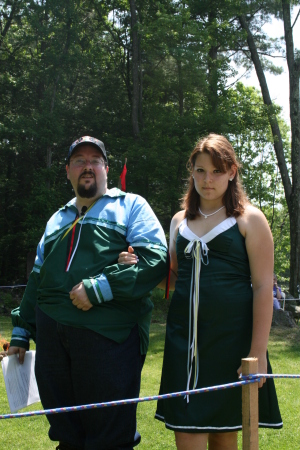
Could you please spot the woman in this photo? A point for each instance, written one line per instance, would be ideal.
(221, 252)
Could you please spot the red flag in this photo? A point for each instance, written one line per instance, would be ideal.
(123, 177)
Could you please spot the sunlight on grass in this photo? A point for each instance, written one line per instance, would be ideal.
(284, 349)
(285, 356)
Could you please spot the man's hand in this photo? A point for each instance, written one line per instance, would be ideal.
(17, 351)
(79, 297)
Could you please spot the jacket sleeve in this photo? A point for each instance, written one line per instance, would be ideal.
(124, 282)
(23, 317)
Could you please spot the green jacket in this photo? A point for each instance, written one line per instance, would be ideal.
(119, 293)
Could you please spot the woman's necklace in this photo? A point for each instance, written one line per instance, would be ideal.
(208, 215)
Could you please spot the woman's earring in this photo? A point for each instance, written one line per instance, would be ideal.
(230, 179)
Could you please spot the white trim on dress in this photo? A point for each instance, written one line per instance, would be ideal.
(188, 234)
(237, 427)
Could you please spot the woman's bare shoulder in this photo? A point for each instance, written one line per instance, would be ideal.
(252, 217)
(179, 216)
(252, 212)
(175, 222)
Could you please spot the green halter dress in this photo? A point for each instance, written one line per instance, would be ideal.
(209, 330)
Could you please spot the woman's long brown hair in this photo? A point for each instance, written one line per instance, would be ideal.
(223, 158)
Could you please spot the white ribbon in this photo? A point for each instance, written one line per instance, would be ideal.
(198, 250)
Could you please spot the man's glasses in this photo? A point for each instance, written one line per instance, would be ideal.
(81, 162)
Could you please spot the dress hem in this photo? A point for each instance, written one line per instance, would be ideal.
(192, 429)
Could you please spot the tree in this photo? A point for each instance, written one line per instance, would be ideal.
(291, 184)
(66, 70)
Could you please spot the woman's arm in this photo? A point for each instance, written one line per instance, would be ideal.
(259, 245)
(130, 257)
(175, 222)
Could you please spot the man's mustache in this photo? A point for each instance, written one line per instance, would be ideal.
(87, 172)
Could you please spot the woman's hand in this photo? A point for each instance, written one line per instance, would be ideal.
(128, 257)
(262, 366)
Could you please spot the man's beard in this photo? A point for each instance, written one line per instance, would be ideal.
(87, 192)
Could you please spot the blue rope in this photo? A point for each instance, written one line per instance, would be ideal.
(127, 402)
(268, 375)
(246, 379)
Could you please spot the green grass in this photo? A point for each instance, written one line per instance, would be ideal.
(21, 434)
(161, 306)
(284, 349)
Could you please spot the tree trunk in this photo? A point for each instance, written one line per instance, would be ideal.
(65, 51)
(278, 145)
(213, 79)
(180, 88)
(212, 72)
(141, 120)
(292, 191)
(135, 71)
(15, 7)
(294, 73)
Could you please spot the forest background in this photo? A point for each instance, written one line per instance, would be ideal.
(148, 78)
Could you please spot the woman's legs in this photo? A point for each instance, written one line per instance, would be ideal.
(191, 441)
(222, 441)
(198, 441)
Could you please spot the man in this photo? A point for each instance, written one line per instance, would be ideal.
(277, 294)
(89, 315)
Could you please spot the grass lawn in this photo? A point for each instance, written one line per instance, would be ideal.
(284, 348)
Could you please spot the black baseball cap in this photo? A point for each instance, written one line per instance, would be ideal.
(87, 140)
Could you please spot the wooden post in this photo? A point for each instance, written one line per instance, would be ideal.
(250, 406)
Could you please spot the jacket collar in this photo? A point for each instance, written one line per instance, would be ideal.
(113, 193)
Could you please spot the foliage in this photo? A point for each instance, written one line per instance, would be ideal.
(161, 305)
(66, 71)
(289, 169)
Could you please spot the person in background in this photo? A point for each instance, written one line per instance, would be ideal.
(89, 315)
(221, 256)
(277, 294)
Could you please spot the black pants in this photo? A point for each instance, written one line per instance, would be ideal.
(76, 366)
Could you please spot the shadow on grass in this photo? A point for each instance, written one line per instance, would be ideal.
(285, 339)
(157, 338)
(161, 306)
